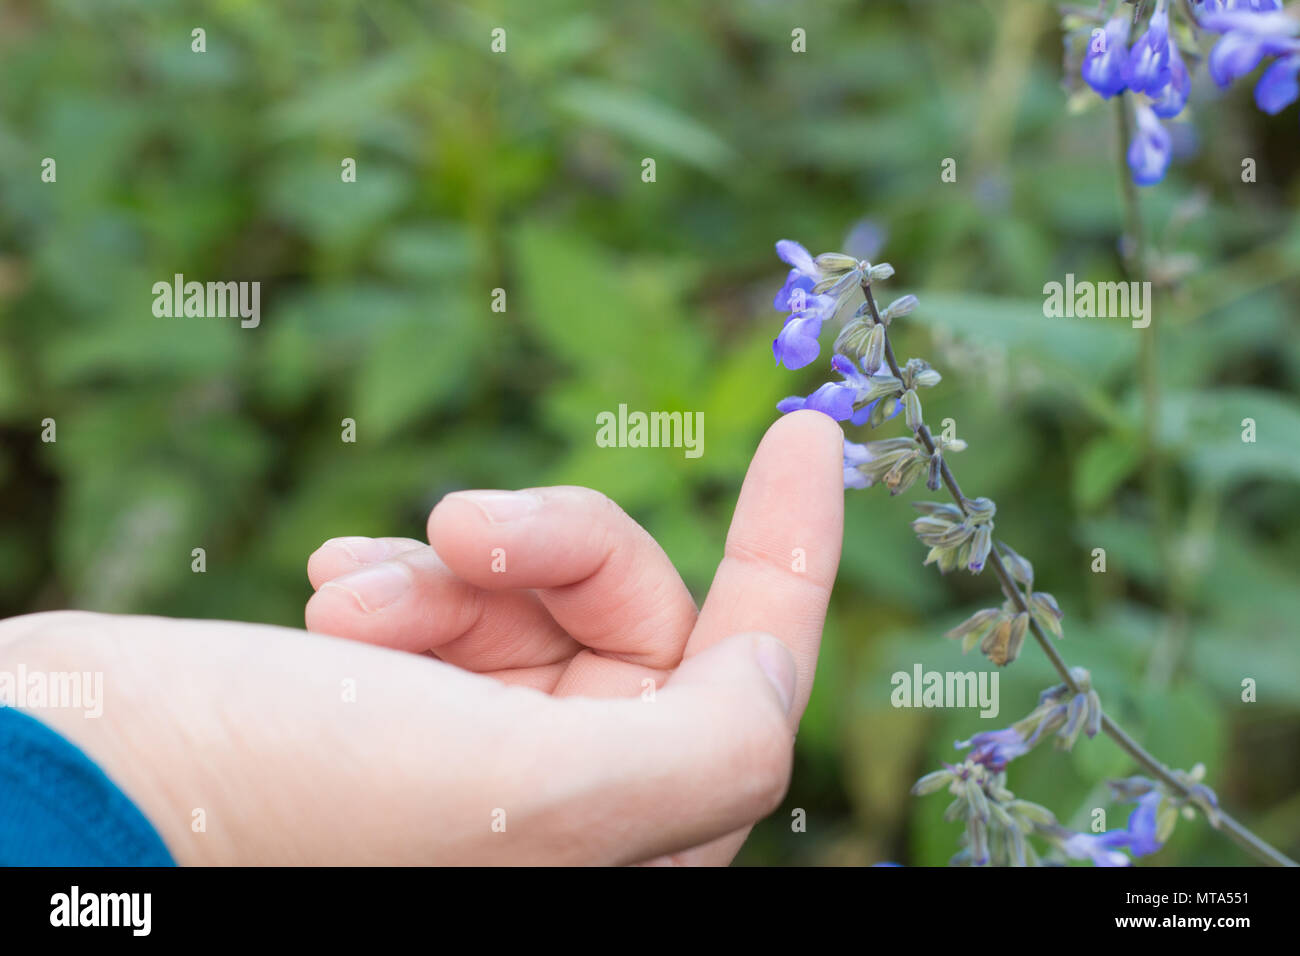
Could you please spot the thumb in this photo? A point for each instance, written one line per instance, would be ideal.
(707, 754)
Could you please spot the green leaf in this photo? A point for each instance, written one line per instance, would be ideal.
(1207, 428)
(660, 128)
(1102, 467)
(416, 367)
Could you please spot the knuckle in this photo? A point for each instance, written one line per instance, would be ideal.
(775, 562)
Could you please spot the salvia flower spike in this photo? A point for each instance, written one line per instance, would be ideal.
(870, 389)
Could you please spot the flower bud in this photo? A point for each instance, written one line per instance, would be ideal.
(1017, 846)
(976, 622)
(979, 803)
(1129, 789)
(835, 263)
(932, 782)
(899, 307)
(1046, 612)
(1093, 725)
(882, 385)
(1166, 820)
(1021, 570)
(981, 544)
(912, 409)
(994, 645)
(977, 834)
(1019, 626)
(927, 379)
(873, 355)
(880, 272)
(939, 509)
(885, 409)
(1074, 724)
(835, 285)
(853, 338)
(1001, 816)
(904, 474)
(1034, 813)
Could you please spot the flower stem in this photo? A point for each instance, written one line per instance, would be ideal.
(1236, 831)
(1169, 647)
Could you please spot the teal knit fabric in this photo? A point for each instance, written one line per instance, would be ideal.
(57, 808)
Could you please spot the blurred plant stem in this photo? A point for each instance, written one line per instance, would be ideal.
(1170, 645)
(1236, 831)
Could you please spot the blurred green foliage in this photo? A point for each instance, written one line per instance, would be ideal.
(522, 171)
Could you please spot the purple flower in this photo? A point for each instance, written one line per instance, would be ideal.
(836, 399)
(866, 239)
(803, 273)
(1171, 102)
(1151, 149)
(855, 455)
(1142, 825)
(1248, 37)
(1256, 6)
(995, 748)
(1149, 69)
(1097, 847)
(833, 399)
(797, 344)
(1106, 64)
(1078, 706)
(1238, 53)
(1277, 88)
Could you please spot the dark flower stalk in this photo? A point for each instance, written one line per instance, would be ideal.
(876, 388)
(1172, 781)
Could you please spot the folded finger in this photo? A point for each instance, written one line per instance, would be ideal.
(413, 602)
(604, 579)
(339, 556)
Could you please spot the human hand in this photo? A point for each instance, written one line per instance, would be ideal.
(252, 727)
(559, 590)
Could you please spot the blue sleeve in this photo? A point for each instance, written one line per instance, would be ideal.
(57, 808)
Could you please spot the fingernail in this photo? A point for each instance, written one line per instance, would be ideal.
(501, 506)
(375, 587)
(778, 664)
(359, 549)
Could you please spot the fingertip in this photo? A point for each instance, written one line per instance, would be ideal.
(330, 609)
(339, 556)
(817, 437)
(456, 526)
(793, 493)
(330, 560)
(475, 510)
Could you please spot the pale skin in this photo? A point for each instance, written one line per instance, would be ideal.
(481, 696)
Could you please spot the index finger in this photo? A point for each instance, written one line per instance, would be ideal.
(783, 548)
